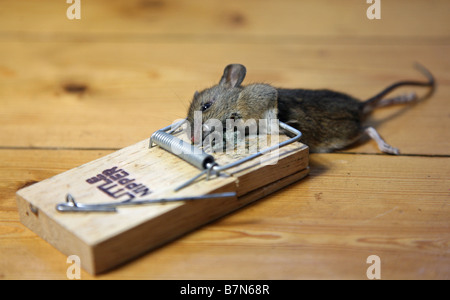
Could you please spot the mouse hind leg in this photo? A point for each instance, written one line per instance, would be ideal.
(401, 99)
(382, 145)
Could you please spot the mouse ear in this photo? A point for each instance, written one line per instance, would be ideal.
(233, 75)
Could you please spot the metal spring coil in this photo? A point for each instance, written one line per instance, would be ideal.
(188, 152)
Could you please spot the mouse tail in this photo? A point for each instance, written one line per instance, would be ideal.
(373, 102)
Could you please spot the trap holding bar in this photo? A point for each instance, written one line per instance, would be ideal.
(72, 206)
(202, 160)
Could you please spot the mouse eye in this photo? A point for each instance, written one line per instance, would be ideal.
(206, 106)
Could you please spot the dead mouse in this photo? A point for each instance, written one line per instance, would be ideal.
(329, 120)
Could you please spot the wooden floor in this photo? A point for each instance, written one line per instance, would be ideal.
(72, 91)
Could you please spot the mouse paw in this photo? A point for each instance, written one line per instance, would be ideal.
(386, 148)
(382, 145)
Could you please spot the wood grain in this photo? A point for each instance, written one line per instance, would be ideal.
(104, 240)
(74, 91)
(122, 99)
(350, 207)
(215, 19)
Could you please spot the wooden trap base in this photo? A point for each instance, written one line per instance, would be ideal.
(105, 240)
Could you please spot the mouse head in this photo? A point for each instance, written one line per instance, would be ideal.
(229, 100)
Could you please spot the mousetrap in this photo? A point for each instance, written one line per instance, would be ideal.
(120, 206)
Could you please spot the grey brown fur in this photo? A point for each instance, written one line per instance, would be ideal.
(328, 120)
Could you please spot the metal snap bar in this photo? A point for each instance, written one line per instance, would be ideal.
(204, 161)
